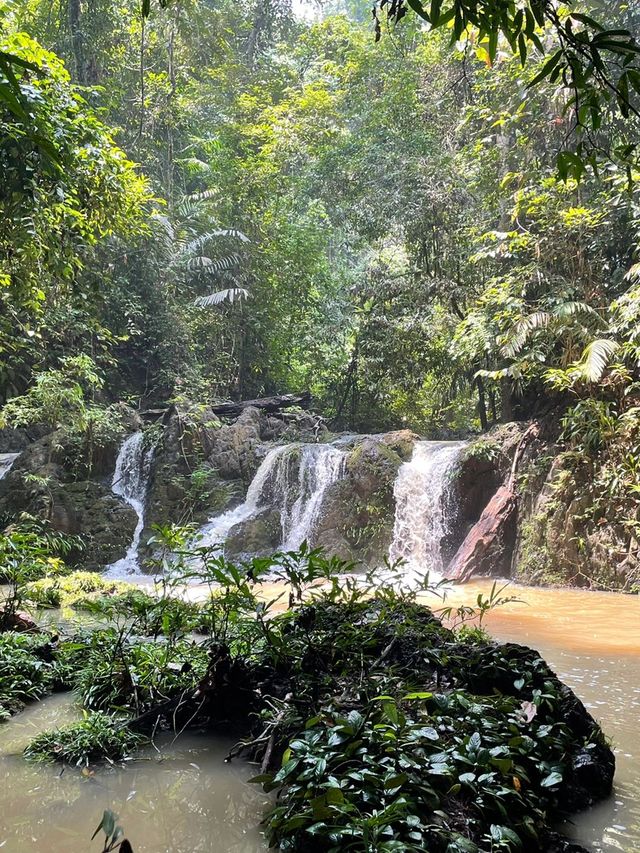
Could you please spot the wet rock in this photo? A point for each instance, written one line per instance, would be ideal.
(20, 622)
(13, 440)
(259, 535)
(105, 522)
(358, 514)
(372, 466)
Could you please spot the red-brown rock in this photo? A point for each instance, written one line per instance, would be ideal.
(488, 546)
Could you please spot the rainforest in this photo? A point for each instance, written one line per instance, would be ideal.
(319, 426)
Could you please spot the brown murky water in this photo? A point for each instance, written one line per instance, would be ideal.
(186, 800)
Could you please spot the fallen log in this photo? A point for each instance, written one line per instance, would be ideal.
(265, 404)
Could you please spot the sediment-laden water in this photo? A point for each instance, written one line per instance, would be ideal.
(181, 798)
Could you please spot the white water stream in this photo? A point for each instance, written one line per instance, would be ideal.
(130, 482)
(292, 479)
(6, 462)
(421, 521)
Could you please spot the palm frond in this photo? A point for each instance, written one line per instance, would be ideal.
(211, 266)
(519, 334)
(231, 294)
(198, 243)
(575, 309)
(596, 358)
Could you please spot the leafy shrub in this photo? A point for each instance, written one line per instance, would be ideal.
(380, 779)
(113, 671)
(150, 614)
(29, 552)
(70, 589)
(27, 670)
(97, 736)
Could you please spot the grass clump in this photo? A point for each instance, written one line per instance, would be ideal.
(97, 736)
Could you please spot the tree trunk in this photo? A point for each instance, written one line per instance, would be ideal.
(482, 405)
(265, 404)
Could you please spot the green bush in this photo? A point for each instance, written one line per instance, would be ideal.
(111, 670)
(97, 736)
(67, 591)
(27, 670)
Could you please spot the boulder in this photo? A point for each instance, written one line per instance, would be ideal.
(257, 536)
(359, 510)
(13, 440)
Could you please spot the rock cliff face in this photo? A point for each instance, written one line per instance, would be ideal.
(357, 522)
(40, 484)
(548, 529)
(203, 466)
(565, 536)
(534, 520)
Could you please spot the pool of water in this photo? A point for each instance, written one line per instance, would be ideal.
(181, 798)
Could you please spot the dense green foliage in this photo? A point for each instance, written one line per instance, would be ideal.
(96, 736)
(425, 737)
(423, 256)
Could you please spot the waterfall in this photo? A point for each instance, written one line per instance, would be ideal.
(130, 481)
(421, 513)
(6, 461)
(217, 528)
(292, 479)
(320, 466)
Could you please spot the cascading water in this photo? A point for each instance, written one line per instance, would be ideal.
(130, 481)
(320, 466)
(6, 461)
(421, 507)
(293, 479)
(217, 528)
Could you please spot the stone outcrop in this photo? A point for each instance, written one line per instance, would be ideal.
(258, 536)
(358, 516)
(204, 465)
(41, 484)
(563, 538)
(488, 547)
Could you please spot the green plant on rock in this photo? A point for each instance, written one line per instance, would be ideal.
(113, 670)
(61, 398)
